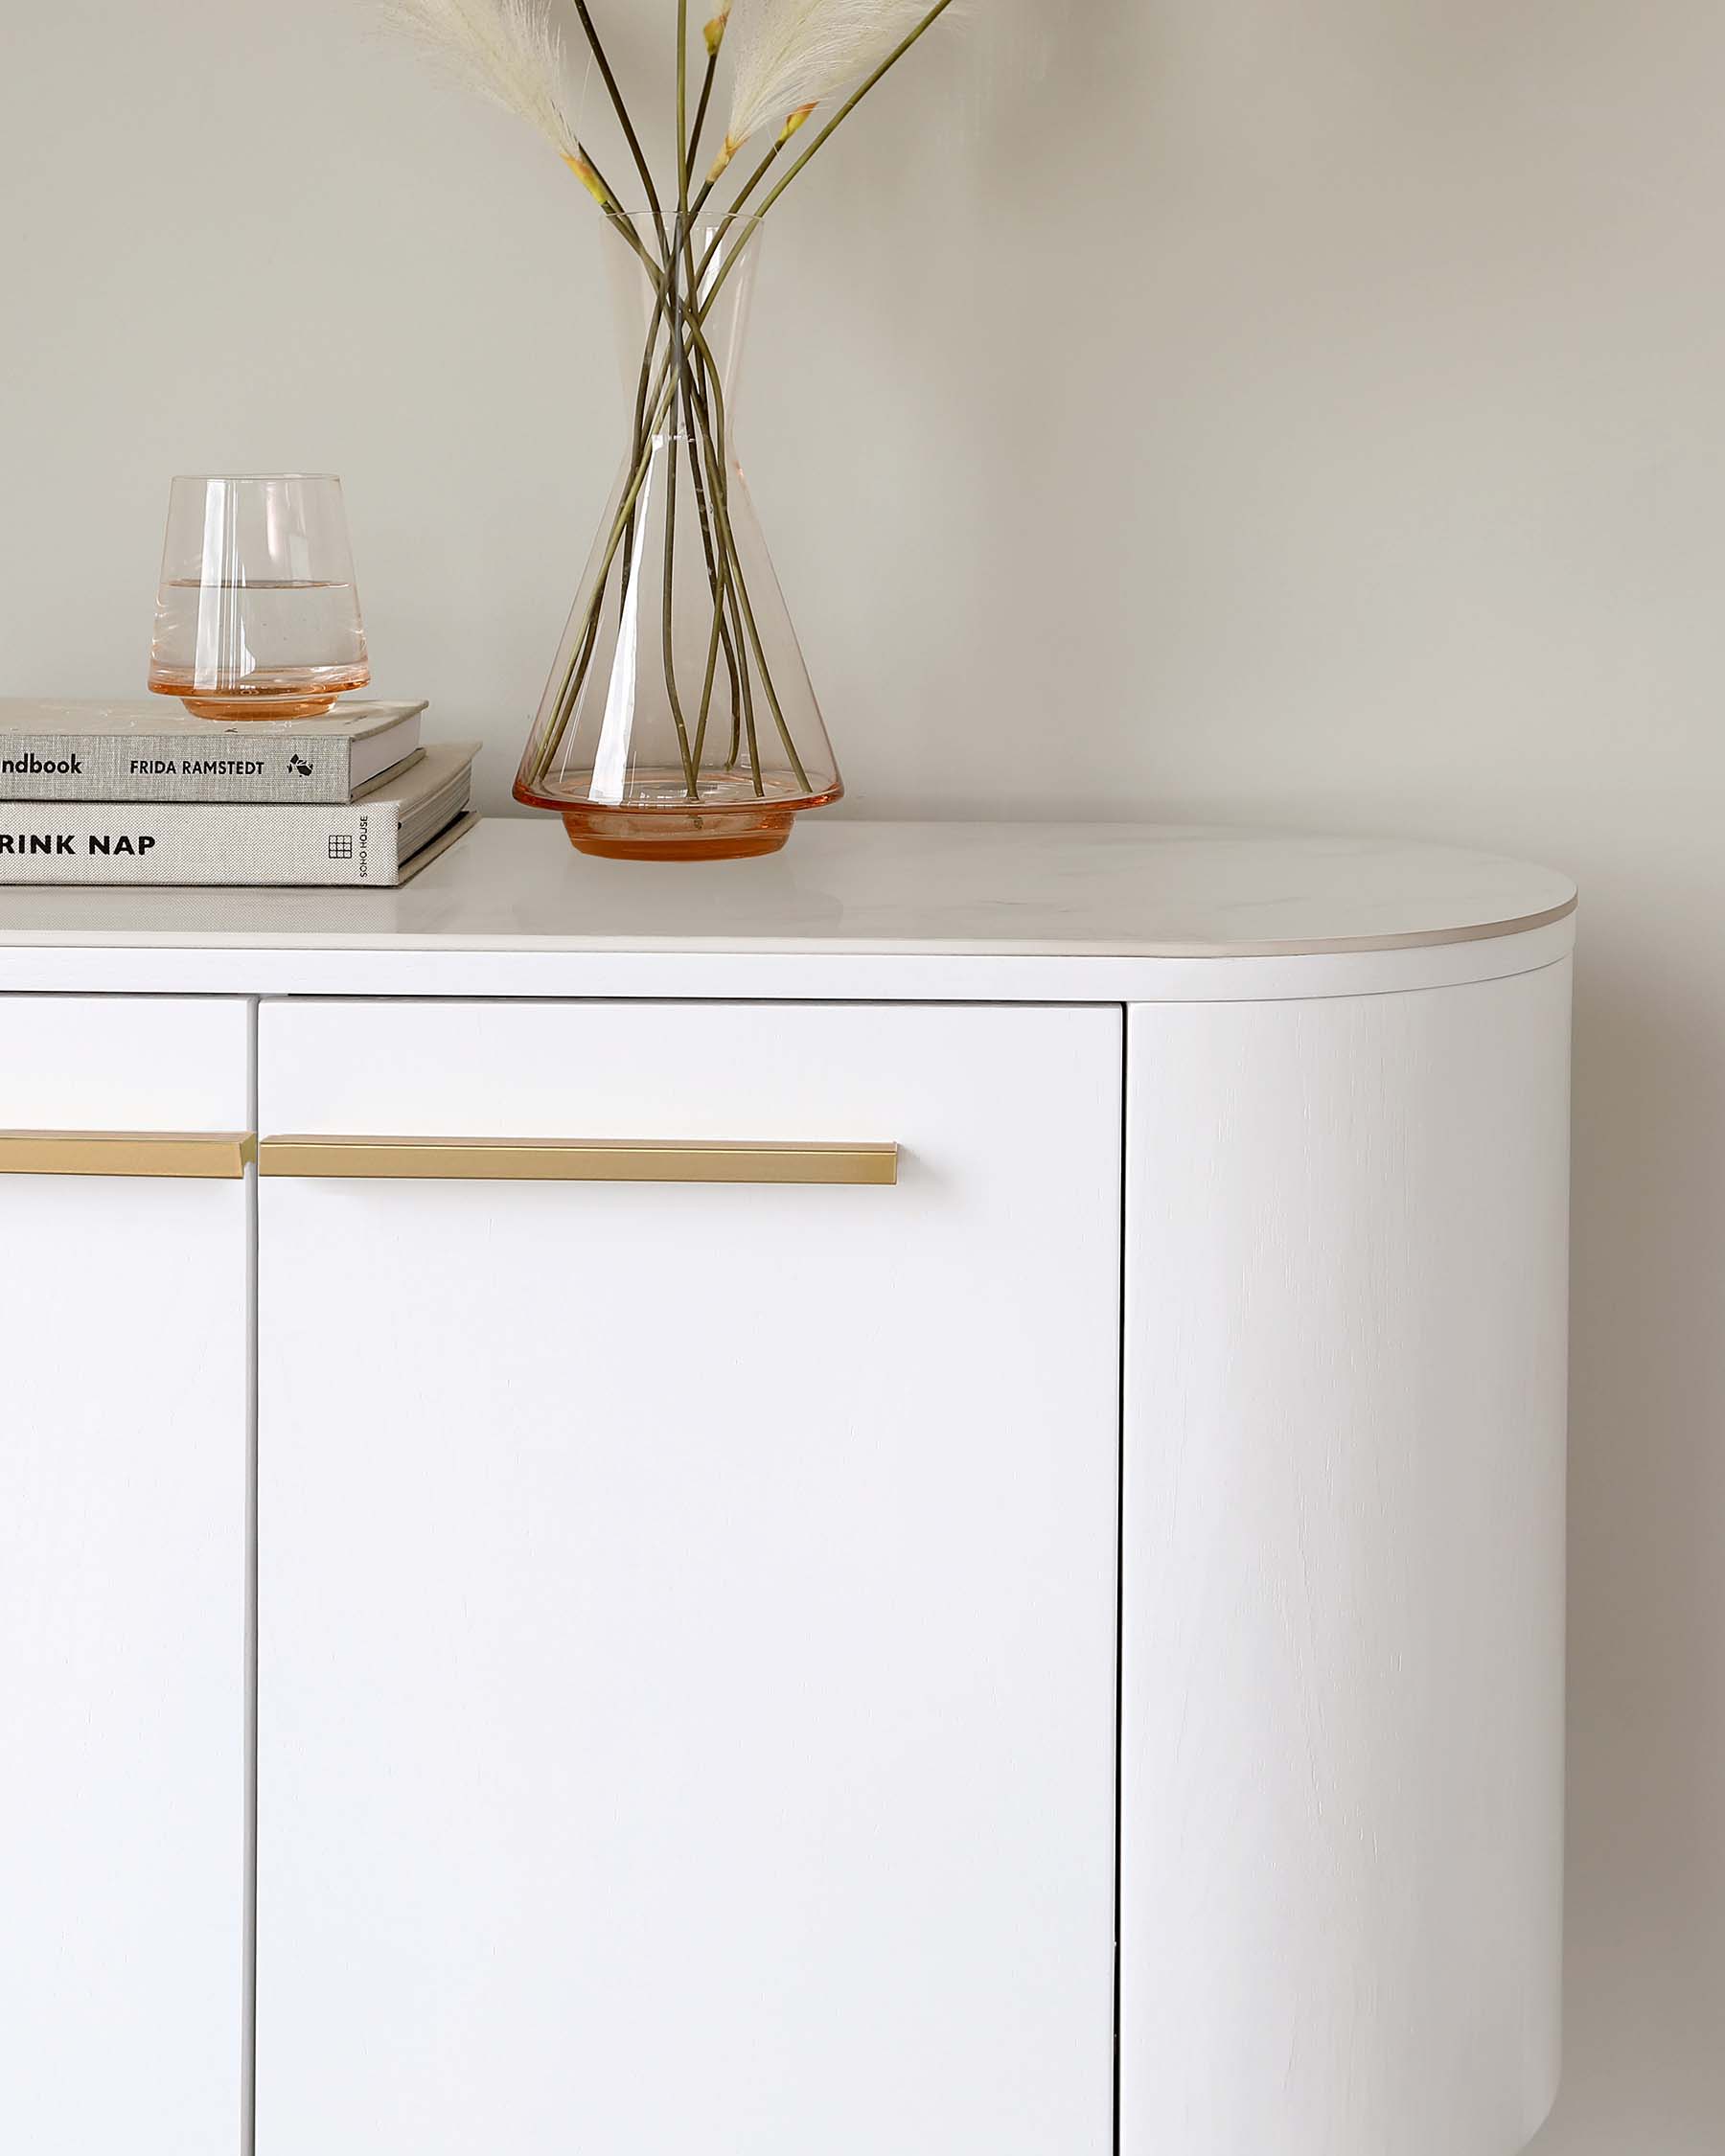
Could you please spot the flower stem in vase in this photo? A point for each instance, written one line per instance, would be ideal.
(619, 745)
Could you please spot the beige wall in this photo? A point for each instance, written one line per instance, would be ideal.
(1248, 410)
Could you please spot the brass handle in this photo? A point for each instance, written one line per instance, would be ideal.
(425, 1160)
(196, 1156)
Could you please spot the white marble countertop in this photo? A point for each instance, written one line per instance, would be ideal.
(850, 911)
(1114, 890)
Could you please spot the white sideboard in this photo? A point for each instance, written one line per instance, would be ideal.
(905, 1500)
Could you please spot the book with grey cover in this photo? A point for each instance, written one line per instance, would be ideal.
(154, 751)
(371, 842)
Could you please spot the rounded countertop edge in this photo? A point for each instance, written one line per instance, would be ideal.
(1206, 900)
(273, 965)
(429, 942)
(1033, 903)
(1340, 947)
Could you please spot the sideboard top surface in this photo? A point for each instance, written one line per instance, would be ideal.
(946, 892)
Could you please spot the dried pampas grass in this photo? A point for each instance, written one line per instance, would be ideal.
(509, 51)
(796, 54)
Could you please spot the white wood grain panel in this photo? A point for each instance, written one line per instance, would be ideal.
(124, 1062)
(688, 1614)
(122, 1462)
(1343, 1595)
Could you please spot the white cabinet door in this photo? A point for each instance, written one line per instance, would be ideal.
(687, 1623)
(124, 1339)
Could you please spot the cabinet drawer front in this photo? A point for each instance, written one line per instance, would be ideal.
(124, 1062)
(123, 1337)
(746, 1073)
(687, 1610)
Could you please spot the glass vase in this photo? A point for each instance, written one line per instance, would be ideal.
(678, 722)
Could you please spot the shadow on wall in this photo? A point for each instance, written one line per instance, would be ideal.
(1647, 1905)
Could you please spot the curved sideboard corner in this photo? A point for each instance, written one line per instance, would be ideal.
(1343, 1635)
(904, 1497)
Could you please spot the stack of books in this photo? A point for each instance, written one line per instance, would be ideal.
(145, 794)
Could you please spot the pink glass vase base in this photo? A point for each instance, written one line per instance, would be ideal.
(695, 831)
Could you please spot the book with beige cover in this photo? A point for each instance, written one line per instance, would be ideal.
(379, 839)
(152, 750)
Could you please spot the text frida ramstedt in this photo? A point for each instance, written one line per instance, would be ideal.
(63, 843)
(196, 767)
(29, 764)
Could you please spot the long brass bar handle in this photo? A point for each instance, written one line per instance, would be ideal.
(427, 1160)
(195, 1156)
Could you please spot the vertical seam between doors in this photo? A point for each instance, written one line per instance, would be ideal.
(248, 2038)
(1121, 1557)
